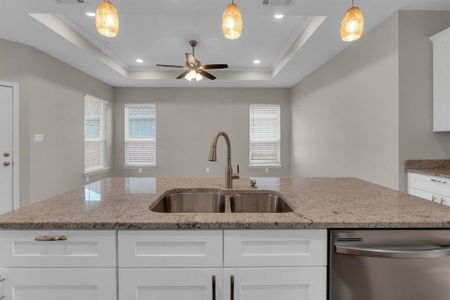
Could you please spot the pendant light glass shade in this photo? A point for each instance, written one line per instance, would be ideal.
(107, 19)
(352, 26)
(232, 22)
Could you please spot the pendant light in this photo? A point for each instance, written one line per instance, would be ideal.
(352, 26)
(107, 19)
(232, 22)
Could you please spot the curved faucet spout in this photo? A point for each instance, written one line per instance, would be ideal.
(229, 176)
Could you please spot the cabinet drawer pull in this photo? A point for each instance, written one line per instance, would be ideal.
(438, 181)
(2, 279)
(2, 297)
(46, 238)
(214, 287)
(232, 287)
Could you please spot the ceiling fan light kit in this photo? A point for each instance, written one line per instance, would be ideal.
(232, 22)
(107, 19)
(352, 25)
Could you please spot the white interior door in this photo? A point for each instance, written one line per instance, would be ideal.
(6, 149)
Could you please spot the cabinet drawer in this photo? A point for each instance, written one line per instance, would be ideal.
(19, 248)
(170, 284)
(308, 283)
(431, 184)
(165, 248)
(422, 194)
(58, 284)
(279, 248)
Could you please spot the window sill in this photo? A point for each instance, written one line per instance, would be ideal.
(97, 171)
(146, 167)
(274, 166)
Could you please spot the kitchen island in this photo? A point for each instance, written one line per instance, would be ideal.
(102, 241)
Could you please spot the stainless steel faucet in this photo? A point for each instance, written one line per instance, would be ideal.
(229, 176)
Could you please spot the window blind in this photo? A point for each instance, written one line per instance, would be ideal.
(265, 135)
(94, 134)
(140, 134)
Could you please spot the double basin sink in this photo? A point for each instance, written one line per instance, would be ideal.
(218, 201)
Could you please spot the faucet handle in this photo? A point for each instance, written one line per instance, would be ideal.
(236, 176)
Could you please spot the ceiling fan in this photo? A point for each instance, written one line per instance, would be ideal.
(194, 70)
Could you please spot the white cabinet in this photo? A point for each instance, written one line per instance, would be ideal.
(59, 284)
(432, 188)
(441, 79)
(275, 248)
(56, 265)
(249, 265)
(165, 249)
(170, 284)
(22, 248)
(275, 283)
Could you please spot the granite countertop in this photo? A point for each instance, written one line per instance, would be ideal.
(123, 203)
(439, 168)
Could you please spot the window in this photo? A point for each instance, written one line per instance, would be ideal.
(94, 134)
(140, 135)
(265, 135)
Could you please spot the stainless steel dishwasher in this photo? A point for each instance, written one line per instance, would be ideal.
(389, 265)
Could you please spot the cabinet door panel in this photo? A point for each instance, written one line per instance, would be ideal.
(167, 249)
(308, 283)
(58, 284)
(275, 248)
(19, 248)
(170, 284)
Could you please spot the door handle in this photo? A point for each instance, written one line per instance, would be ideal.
(428, 252)
(214, 287)
(232, 287)
(6, 163)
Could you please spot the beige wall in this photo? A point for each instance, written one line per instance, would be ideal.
(188, 119)
(345, 114)
(51, 103)
(417, 141)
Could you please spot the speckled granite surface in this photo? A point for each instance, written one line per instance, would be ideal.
(440, 168)
(123, 203)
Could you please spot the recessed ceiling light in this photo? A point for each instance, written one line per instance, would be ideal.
(278, 16)
(257, 61)
(90, 14)
(139, 60)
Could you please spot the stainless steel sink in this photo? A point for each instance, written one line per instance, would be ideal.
(258, 202)
(217, 201)
(190, 201)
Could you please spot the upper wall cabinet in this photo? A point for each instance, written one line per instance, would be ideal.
(441, 81)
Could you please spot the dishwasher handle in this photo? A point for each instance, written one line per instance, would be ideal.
(352, 249)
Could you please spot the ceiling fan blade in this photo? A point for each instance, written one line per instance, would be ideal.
(170, 66)
(190, 59)
(215, 66)
(182, 75)
(206, 74)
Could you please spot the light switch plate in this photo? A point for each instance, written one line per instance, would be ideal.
(39, 137)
